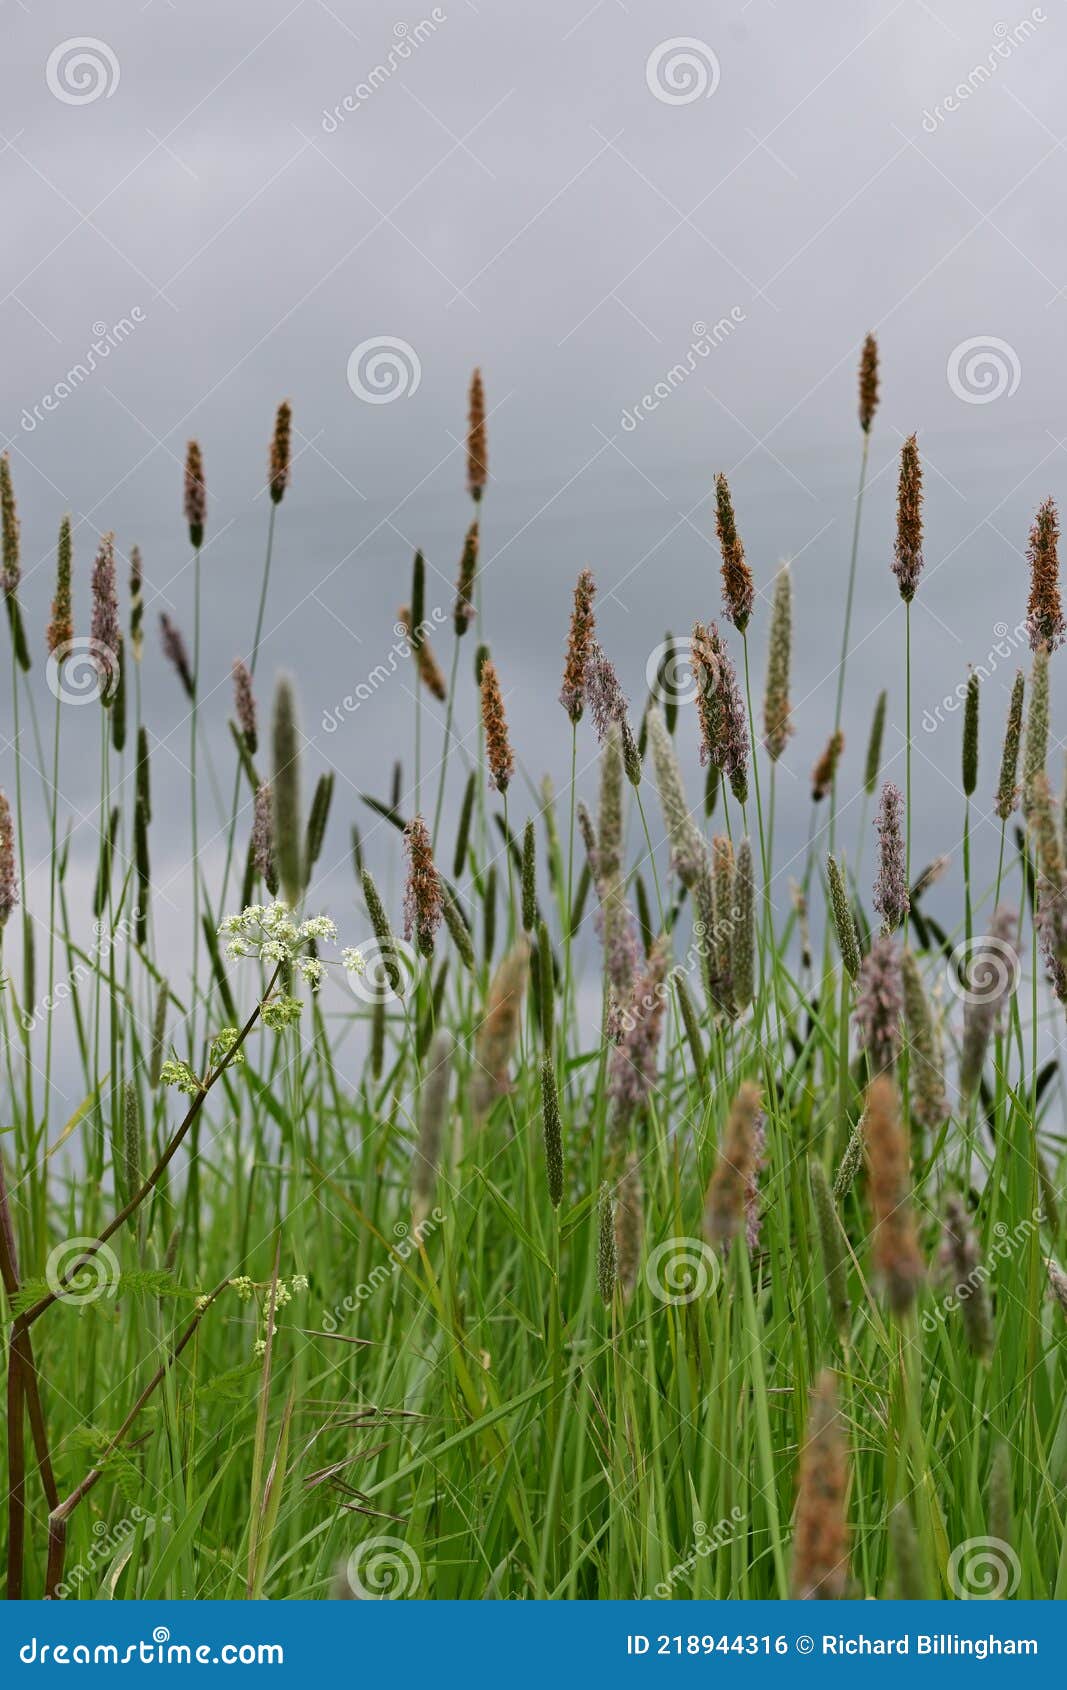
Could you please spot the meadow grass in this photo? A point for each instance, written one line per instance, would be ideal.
(744, 1293)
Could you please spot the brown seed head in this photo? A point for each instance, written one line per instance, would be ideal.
(908, 550)
(868, 383)
(477, 452)
(896, 1245)
(278, 475)
(822, 775)
(723, 721)
(498, 1032)
(735, 1174)
(579, 647)
(495, 726)
(11, 572)
(738, 592)
(429, 670)
(1044, 622)
(423, 893)
(820, 1543)
(175, 652)
(195, 494)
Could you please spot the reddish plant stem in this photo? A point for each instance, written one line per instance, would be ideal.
(23, 1390)
(59, 1517)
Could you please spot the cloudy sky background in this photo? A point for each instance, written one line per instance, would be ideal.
(516, 193)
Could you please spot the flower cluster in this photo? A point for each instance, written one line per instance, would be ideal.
(246, 1289)
(267, 931)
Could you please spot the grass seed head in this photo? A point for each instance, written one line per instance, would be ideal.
(821, 1538)
(9, 890)
(844, 920)
(11, 570)
(822, 775)
(498, 1031)
(891, 898)
(738, 591)
(897, 1257)
(195, 494)
(174, 650)
(477, 450)
(244, 704)
(495, 727)
(280, 452)
(1044, 621)
(727, 1198)
(962, 1261)
(463, 611)
(1035, 755)
(552, 1128)
(607, 1261)
(579, 646)
(629, 1225)
(929, 1104)
(908, 550)
(263, 838)
(970, 736)
(1007, 790)
(426, 665)
(689, 854)
(743, 944)
(61, 627)
(422, 896)
(721, 711)
(104, 626)
(777, 711)
(874, 744)
(285, 794)
(879, 1004)
(868, 383)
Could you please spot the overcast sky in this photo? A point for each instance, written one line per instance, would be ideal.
(571, 200)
